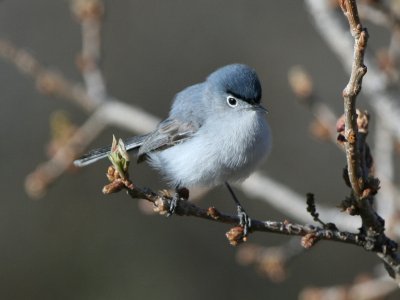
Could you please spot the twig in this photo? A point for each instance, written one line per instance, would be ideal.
(356, 127)
(311, 234)
(357, 152)
(356, 176)
(331, 29)
(354, 138)
(119, 180)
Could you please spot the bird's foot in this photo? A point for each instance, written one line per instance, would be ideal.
(244, 220)
(181, 193)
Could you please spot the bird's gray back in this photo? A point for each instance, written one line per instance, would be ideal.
(189, 105)
(185, 118)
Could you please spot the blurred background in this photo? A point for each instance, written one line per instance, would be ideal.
(75, 242)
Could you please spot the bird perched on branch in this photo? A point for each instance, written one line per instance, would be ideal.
(216, 133)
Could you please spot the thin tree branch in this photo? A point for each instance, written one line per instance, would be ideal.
(119, 180)
(355, 133)
(355, 140)
(358, 70)
(332, 31)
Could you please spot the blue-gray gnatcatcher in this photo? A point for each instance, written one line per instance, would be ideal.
(216, 133)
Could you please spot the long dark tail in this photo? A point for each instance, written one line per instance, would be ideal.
(100, 153)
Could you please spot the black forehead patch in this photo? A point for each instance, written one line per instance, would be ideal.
(238, 80)
(242, 97)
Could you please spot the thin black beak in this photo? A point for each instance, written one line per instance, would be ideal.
(259, 107)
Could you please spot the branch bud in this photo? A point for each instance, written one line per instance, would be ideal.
(236, 236)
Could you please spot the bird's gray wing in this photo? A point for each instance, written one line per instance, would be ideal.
(168, 133)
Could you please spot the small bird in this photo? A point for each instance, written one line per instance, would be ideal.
(216, 133)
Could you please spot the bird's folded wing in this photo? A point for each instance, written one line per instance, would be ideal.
(168, 133)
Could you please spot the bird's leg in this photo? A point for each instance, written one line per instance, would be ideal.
(180, 192)
(245, 220)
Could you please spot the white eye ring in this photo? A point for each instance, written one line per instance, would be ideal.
(232, 101)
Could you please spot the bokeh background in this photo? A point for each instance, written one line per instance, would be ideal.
(76, 243)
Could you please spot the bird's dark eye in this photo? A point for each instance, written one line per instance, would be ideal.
(232, 101)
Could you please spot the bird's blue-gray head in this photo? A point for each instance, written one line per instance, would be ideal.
(237, 80)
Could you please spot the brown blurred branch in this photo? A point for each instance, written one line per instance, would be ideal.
(271, 261)
(46, 173)
(89, 13)
(47, 82)
(323, 126)
(364, 287)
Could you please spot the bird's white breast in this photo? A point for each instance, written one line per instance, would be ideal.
(217, 154)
